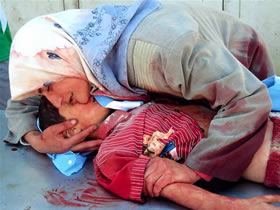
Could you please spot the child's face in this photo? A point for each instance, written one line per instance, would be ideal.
(67, 91)
(91, 113)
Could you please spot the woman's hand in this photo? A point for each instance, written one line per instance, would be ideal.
(52, 139)
(161, 172)
(87, 146)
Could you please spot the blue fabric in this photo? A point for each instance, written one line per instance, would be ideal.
(108, 102)
(168, 147)
(102, 35)
(273, 85)
(69, 162)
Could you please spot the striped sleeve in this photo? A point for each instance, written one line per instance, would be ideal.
(119, 164)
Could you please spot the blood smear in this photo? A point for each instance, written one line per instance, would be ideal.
(86, 193)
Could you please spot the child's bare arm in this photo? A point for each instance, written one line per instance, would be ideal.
(194, 197)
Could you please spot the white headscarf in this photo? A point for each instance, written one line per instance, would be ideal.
(76, 43)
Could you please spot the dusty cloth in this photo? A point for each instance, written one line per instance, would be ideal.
(120, 163)
(199, 53)
(272, 176)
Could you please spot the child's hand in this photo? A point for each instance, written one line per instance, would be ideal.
(257, 203)
(52, 139)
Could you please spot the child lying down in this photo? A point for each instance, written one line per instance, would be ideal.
(136, 143)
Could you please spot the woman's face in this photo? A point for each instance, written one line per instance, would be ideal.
(67, 91)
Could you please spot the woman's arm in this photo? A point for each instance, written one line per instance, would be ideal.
(243, 105)
(21, 117)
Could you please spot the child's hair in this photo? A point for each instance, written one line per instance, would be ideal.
(48, 114)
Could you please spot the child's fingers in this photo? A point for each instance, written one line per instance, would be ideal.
(268, 198)
(162, 182)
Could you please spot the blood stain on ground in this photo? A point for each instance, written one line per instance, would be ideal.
(87, 193)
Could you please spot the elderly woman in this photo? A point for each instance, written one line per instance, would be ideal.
(192, 52)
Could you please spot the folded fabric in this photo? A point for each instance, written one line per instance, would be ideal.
(69, 162)
(273, 85)
(108, 102)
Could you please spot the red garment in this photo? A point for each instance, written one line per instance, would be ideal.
(119, 164)
(272, 176)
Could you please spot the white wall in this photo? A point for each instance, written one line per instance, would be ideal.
(264, 15)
